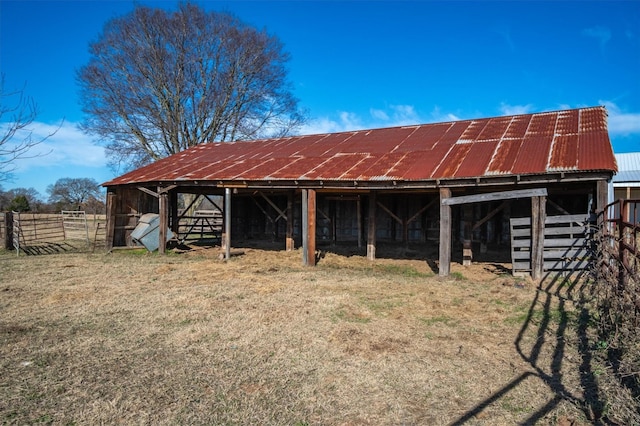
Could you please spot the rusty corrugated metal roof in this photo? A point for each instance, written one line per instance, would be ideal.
(569, 140)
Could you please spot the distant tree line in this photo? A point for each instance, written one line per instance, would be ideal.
(65, 194)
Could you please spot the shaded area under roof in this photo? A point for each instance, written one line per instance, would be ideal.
(570, 140)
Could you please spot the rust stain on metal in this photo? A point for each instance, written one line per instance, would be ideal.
(571, 140)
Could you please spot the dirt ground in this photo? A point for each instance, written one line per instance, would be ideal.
(137, 338)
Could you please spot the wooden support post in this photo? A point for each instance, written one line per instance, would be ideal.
(163, 210)
(226, 236)
(467, 253)
(602, 195)
(290, 243)
(405, 223)
(305, 227)
(444, 264)
(467, 237)
(371, 235)
(309, 227)
(8, 230)
(538, 218)
(111, 220)
(359, 218)
(311, 224)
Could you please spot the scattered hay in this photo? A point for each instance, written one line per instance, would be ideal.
(262, 339)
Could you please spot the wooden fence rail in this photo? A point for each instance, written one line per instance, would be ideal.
(566, 247)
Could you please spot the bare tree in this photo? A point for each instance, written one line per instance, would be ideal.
(32, 196)
(159, 82)
(73, 193)
(17, 113)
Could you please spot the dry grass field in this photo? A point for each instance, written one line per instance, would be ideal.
(136, 338)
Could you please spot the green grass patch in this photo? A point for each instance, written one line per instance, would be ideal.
(440, 319)
(380, 307)
(349, 315)
(457, 276)
(403, 270)
(538, 316)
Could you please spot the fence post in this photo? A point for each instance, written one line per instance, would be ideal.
(622, 240)
(8, 230)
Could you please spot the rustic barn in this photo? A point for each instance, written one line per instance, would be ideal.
(449, 189)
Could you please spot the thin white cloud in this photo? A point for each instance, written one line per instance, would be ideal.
(68, 147)
(507, 109)
(346, 121)
(622, 123)
(601, 34)
(404, 115)
(393, 116)
(439, 116)
(396, 115)
(379, 114)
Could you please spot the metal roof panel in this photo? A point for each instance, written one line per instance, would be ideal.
(564, 154)
(504, 156)
(476, 161)
(520, 144)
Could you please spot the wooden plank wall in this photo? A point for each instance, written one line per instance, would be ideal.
(566, 244)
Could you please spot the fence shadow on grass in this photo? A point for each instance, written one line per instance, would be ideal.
(41, 248)
(548, 319)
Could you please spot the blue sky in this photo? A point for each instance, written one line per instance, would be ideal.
(357, 64)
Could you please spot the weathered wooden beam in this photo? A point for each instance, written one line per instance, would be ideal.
(309, 227)
(359, 217)
(390, 213)
(422, 210)
(467, 235)
(290, 242)
(305, 227)
(275, 207)
(111, 220)
(489, 215)
(492, 196)
(166, 188)
(535, 237)
(311, 223)
(148, 191)
(538, 218)
(557, 207)
(371, 234)
(163, 210)
(444, 264)
(263, 210)
(467, 253)
(323, 214)
(602, 195)
(227, 223)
